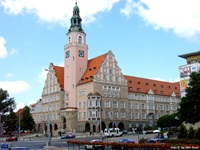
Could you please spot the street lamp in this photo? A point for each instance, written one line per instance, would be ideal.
(48, 118)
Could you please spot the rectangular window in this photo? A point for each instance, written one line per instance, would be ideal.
(129, 105)
(84, 115)
(84, 104)
(129, 115)
(107, 114)
(156, 107)
(122, 115)
(136, 115)
(104, 77)
(142, 106)
(79, 115)
(79, 104)
(107, 104)
(136, 106)
(143, 115)
(161, 107)
(115, 115)
(115, 104)
(122, 104)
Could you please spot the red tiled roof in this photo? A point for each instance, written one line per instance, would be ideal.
(93, 66)
(18, 113)
(60, 75)
(143, 85)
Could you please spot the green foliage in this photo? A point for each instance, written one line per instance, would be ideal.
(197, 134)
(6, 103)
(10, 124)
(182, 132)
(190, 104)
(26, 120)
(168, 121)
(191, 133)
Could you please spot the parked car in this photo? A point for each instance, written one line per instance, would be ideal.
(124, 131)
(5, 146)
(95, 147)
(69, 135)
(153, 141)
(123, 141)
(12, 138)
(19, 148)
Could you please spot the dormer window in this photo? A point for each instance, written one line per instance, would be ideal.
(154, 84)
(155, 91)
(169, 87)
(86, 78)
(130, 81)
(175, 88)
(91, 77)
(147, 84)
(95, 68)
(162, 92)
(138, 82)
(130, 88)
(90, 69)
(138, 89)
(162, 86)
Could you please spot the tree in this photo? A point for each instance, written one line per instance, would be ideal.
(168, 121)
(190, 104)
(10, 124)
(26, 121)
(197, 133)
(182, 132)
(6, 103)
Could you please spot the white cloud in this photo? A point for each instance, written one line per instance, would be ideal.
(14, 87)
(13, 51)
(3, 50)
(42, 75)
(57, 11)
(9, 75)
(181, 16)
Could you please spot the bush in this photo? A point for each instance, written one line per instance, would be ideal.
(197, 133)
(191, 133)
(182, 132)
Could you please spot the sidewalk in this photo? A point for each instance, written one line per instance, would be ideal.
(55, 148)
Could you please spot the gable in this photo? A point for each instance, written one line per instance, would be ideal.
(92, 68)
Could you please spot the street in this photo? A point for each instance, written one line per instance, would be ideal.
(40, 143)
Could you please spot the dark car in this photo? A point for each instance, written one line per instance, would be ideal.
(12, 138)
(5, 146)
(124, 131)
(69, 135)
(121, 142)
(95, 147)
(155, 140)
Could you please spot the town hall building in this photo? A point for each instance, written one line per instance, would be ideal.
(90, 95)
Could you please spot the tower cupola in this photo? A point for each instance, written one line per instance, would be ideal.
(76, 20)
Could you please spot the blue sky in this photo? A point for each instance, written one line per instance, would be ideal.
(146, 37)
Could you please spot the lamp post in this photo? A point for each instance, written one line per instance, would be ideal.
(48, 118)
(19, 128)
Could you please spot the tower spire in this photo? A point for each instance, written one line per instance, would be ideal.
(76, 20)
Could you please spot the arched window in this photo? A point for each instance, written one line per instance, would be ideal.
(79, 39)
(69, 40)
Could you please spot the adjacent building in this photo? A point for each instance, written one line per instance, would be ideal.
(89, 95)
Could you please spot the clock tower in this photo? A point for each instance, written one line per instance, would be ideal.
(75, 58)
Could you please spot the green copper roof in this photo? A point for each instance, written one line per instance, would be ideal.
(76, 20)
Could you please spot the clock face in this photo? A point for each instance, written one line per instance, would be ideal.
(67, 54)
(81, 53)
